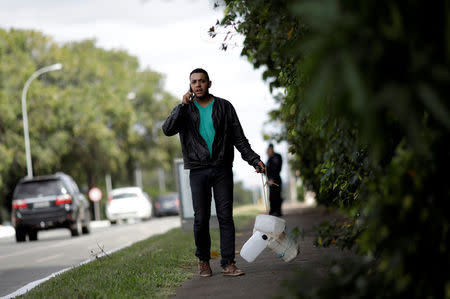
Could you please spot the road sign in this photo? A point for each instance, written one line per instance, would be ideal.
(95, 194)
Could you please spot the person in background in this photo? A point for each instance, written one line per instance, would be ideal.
(273, 166)
(209, 130)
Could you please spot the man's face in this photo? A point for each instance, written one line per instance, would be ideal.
(270, 151)
(200, 84)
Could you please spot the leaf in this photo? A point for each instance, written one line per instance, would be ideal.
(289, 34)
(436, 105)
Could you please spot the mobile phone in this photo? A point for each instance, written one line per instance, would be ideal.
(191, 98)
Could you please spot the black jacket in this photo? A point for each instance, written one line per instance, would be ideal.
(274, 167)
(185, 120)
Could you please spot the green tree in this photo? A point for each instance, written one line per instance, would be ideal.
(81, 119)
(241, 195)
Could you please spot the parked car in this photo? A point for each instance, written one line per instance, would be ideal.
(128, 203)
(167, 204)
(47, 202)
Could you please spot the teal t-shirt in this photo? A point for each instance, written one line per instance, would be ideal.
(206, 124)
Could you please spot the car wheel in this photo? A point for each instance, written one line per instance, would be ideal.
(76, 228)
(20, 235)
(86, 229)
(32, 235)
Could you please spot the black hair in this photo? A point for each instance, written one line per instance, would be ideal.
(270, 145)
(199, 70)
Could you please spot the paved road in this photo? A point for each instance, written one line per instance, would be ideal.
(21, 263)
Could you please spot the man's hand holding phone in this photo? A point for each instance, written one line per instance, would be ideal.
(188, 97)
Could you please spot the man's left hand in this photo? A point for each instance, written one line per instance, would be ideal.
(261, 168)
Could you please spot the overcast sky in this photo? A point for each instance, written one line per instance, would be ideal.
(168, 36)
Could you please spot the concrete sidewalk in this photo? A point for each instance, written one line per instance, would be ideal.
(264, 277)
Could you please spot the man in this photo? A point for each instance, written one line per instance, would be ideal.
(209, 130)
(274, 180)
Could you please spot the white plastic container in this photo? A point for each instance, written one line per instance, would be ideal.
(269, 224)
(254, 246)
(285, 247)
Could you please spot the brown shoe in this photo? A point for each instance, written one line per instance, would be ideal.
(204, 269)
(232, 270)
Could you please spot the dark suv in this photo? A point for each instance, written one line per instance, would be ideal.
(46, 202)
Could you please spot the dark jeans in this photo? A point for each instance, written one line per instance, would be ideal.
(220, 179)
(275, 199)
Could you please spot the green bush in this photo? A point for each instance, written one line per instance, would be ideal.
(365, 106)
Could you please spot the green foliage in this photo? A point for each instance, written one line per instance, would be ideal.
(365, 108)
(100, 114)
(241, 195)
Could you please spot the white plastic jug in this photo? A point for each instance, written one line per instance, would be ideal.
(286, 247)
(254, 246)
(269, 224)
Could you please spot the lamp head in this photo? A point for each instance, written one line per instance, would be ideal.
(56, 66)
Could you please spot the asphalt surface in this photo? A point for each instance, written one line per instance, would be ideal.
(266, 276)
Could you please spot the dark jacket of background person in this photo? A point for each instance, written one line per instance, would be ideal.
(273, 166)
(185, 120)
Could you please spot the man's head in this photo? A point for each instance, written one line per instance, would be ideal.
(270, 150)
(199, 83)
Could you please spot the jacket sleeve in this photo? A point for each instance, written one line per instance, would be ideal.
(241, 142)
(172, 125)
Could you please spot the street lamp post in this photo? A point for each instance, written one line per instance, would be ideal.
(53, 67)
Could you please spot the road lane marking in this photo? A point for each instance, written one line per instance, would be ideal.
(49, 258)
(32, 250)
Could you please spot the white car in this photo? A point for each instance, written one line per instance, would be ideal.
(128, 203)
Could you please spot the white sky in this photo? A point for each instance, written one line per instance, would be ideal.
(168, 36)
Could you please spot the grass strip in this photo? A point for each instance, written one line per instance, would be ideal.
(152, 268)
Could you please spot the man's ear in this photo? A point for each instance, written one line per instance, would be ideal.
(209, 84)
